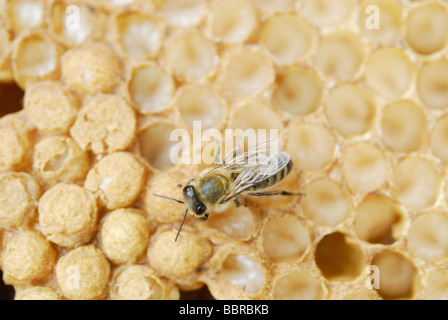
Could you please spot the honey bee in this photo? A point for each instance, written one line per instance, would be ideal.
(247, 173)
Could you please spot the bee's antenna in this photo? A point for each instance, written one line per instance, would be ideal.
(181, 224)
(158, 195)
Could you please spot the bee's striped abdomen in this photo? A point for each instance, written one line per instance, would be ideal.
(273, 179)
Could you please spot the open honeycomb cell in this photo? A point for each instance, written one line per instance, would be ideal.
(108, 109)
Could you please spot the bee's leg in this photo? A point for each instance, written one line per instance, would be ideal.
(237, 202)
(276, 193)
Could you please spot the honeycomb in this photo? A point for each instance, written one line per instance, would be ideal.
(91, 92)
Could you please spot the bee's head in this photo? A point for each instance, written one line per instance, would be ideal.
(194, 204)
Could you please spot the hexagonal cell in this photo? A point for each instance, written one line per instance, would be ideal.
(285, 238)
(399, 278)
(404, 126)
(439, 139)
(151, 88)
(325, 202)
(437, 287)
(192, 57)
(427, 28)
(236, 223)
(350, 109)
(416, 182)
(365, 167)
(287, 37)
(256, 116)
(298, 90)
(182, 13)
(74, 23)
(427, 237)
(378, 220)
(139, 35)
(246, 73)
(380, 20)
(311, 147)
(36, 57)
(298, 286)
(244, 272)
(389, 72)
(25, 14)
(201, 103)
(338, 258)
(156, 146)
(324, 13)
(333, 48)
(232, 21)
(432, 81)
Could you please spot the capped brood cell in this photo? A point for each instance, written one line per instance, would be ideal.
(36, 293)
(169, 184)
(91, 68)
(59, 159)
(68, 215)
(15, 140)
(106, 123)
(123, 235)
(83, 273)
(116, 179)
(50, 106)
(27, 257)
(19, 194)
(180, 260)
(139, 282)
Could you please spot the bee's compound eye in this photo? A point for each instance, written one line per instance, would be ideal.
(200, 208)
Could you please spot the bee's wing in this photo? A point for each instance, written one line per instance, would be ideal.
(256, 156)
(254, 166)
